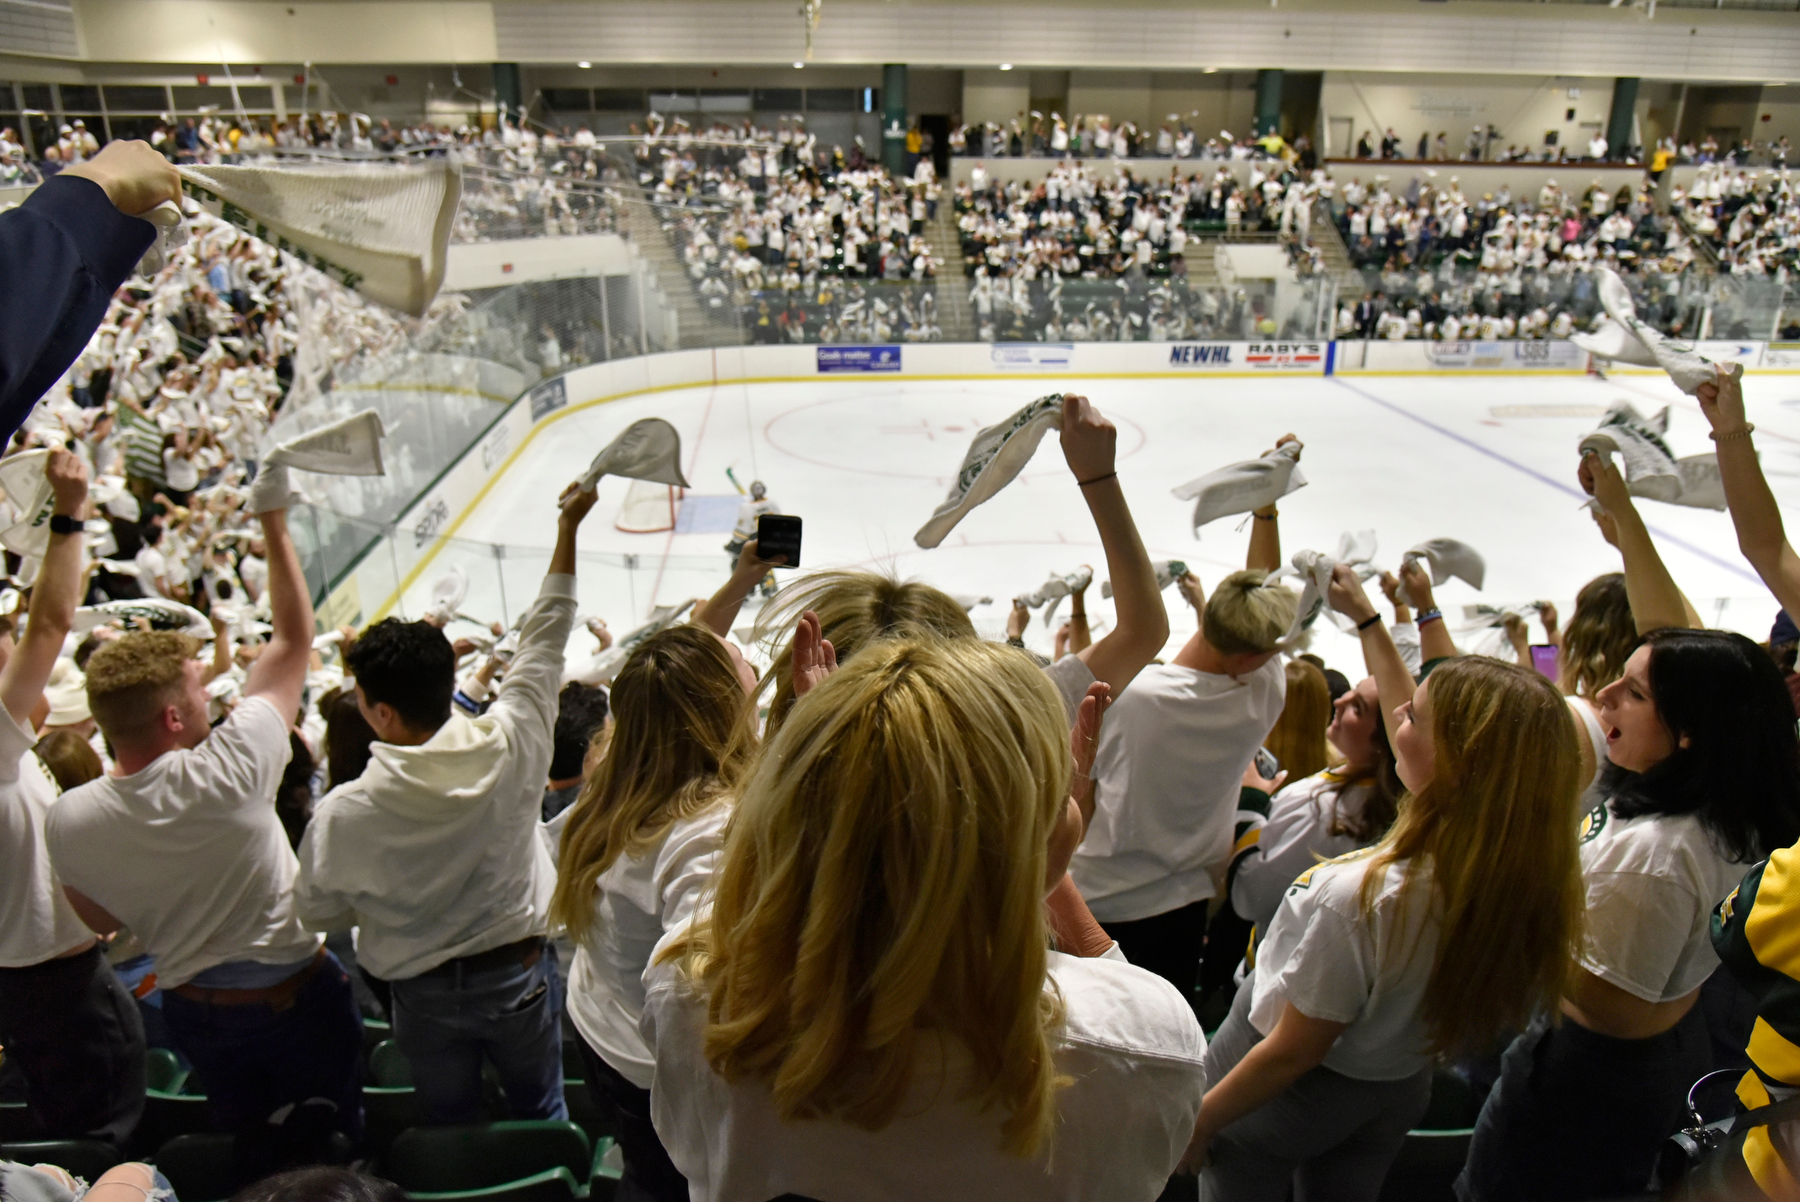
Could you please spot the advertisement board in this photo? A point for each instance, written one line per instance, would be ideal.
(1032, 355)
(1247, 356)
(858, 358)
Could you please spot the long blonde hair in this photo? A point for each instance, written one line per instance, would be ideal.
(1493, 826)
(683, 734)
(1298, 740)
(854, 607)
(881, 891)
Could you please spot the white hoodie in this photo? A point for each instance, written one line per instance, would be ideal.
(433, 853)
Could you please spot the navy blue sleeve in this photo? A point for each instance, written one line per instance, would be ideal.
(63, 253)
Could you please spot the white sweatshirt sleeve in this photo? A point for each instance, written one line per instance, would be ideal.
(525, 705)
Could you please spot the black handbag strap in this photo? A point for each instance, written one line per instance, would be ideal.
(1764, 1116)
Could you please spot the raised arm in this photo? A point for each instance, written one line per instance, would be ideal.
(1392, 681)
(1265, 531)
(1656, 600)
(720, 610)
(1089, 443)
(53, 600)
(279, 673)
(1761, 535)
(1434, 637)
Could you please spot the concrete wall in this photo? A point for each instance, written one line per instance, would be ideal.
(1522, 109)
(995, 95)
(523, 260)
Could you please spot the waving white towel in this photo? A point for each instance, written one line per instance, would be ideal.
(996, 457)
(647, 449)
(1445, 558)
(1243, 487)
(1688, 369)
(1355, 548)
(1651, 469)
(350, 446)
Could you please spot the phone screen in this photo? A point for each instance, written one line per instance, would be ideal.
(778, 534)
(1544, 659)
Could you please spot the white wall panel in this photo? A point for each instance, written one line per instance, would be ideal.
(1499, 38)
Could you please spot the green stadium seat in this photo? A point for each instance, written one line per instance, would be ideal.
(595, 1118)
(386, 1113)
(374, 1033)
(609, 1167)
(552, 1185)
(436, 1160)
(167, 1115)
(389, 1067)
(86, 1158)
(198, 1166)
(162, 1070)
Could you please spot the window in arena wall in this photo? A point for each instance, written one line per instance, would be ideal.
(831, 100)
(136, 98)
(80, 99)
(569, 100)
(777, 100)
(619, 100)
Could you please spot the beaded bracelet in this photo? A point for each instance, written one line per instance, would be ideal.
(1747, 431)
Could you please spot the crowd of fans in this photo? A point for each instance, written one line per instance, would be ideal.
(788, 239)
(1752, 219)
(904, 912)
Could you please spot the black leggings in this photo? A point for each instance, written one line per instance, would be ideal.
(650, 1176)
(1581, 1115)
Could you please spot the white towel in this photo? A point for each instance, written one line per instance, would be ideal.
(647, 449)
(1355, 548)
(1168, 571)
(32, 500)
(1445, 558)
(448, 593)
(1651, 469)
(161, 614)
(1243, 487)
(996, 457)
(382, 231)
(350, 446)
(1614, 342)
(1688, 369)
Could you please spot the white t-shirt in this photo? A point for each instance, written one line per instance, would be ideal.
(641, 899)
(1333, 963)
(188, 852)
(1172, 755)
(1296, 835)
(1130, 1043)
(1652, 882)
(36, 920)
(152, 567)
(180, 471)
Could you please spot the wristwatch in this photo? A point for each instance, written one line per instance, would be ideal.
(62, 523)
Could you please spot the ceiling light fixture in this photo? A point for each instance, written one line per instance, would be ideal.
(584, 66)
(1006, 66)
(799, 66)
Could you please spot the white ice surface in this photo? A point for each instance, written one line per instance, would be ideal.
(1490, 461)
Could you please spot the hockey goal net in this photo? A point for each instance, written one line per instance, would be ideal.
(649, 508)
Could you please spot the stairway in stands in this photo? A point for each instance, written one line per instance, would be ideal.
(955, 316)
(1330, 241)
(699, 326)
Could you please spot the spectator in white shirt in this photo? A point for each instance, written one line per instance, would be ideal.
(183, 845)
(152, 567)
(872, 998)
(434, 854)
(1170, 765)
(1455, 928)
(66, 1021)
(637, 852)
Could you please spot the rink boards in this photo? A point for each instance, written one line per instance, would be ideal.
(562, 418)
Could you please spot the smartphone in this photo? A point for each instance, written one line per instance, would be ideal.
(1544, 659)
(1266, 763)
(778, 534)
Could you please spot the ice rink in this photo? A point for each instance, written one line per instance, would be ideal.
(1489, 460)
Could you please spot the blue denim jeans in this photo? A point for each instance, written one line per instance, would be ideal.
(448, 1019)
(253, 1060)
